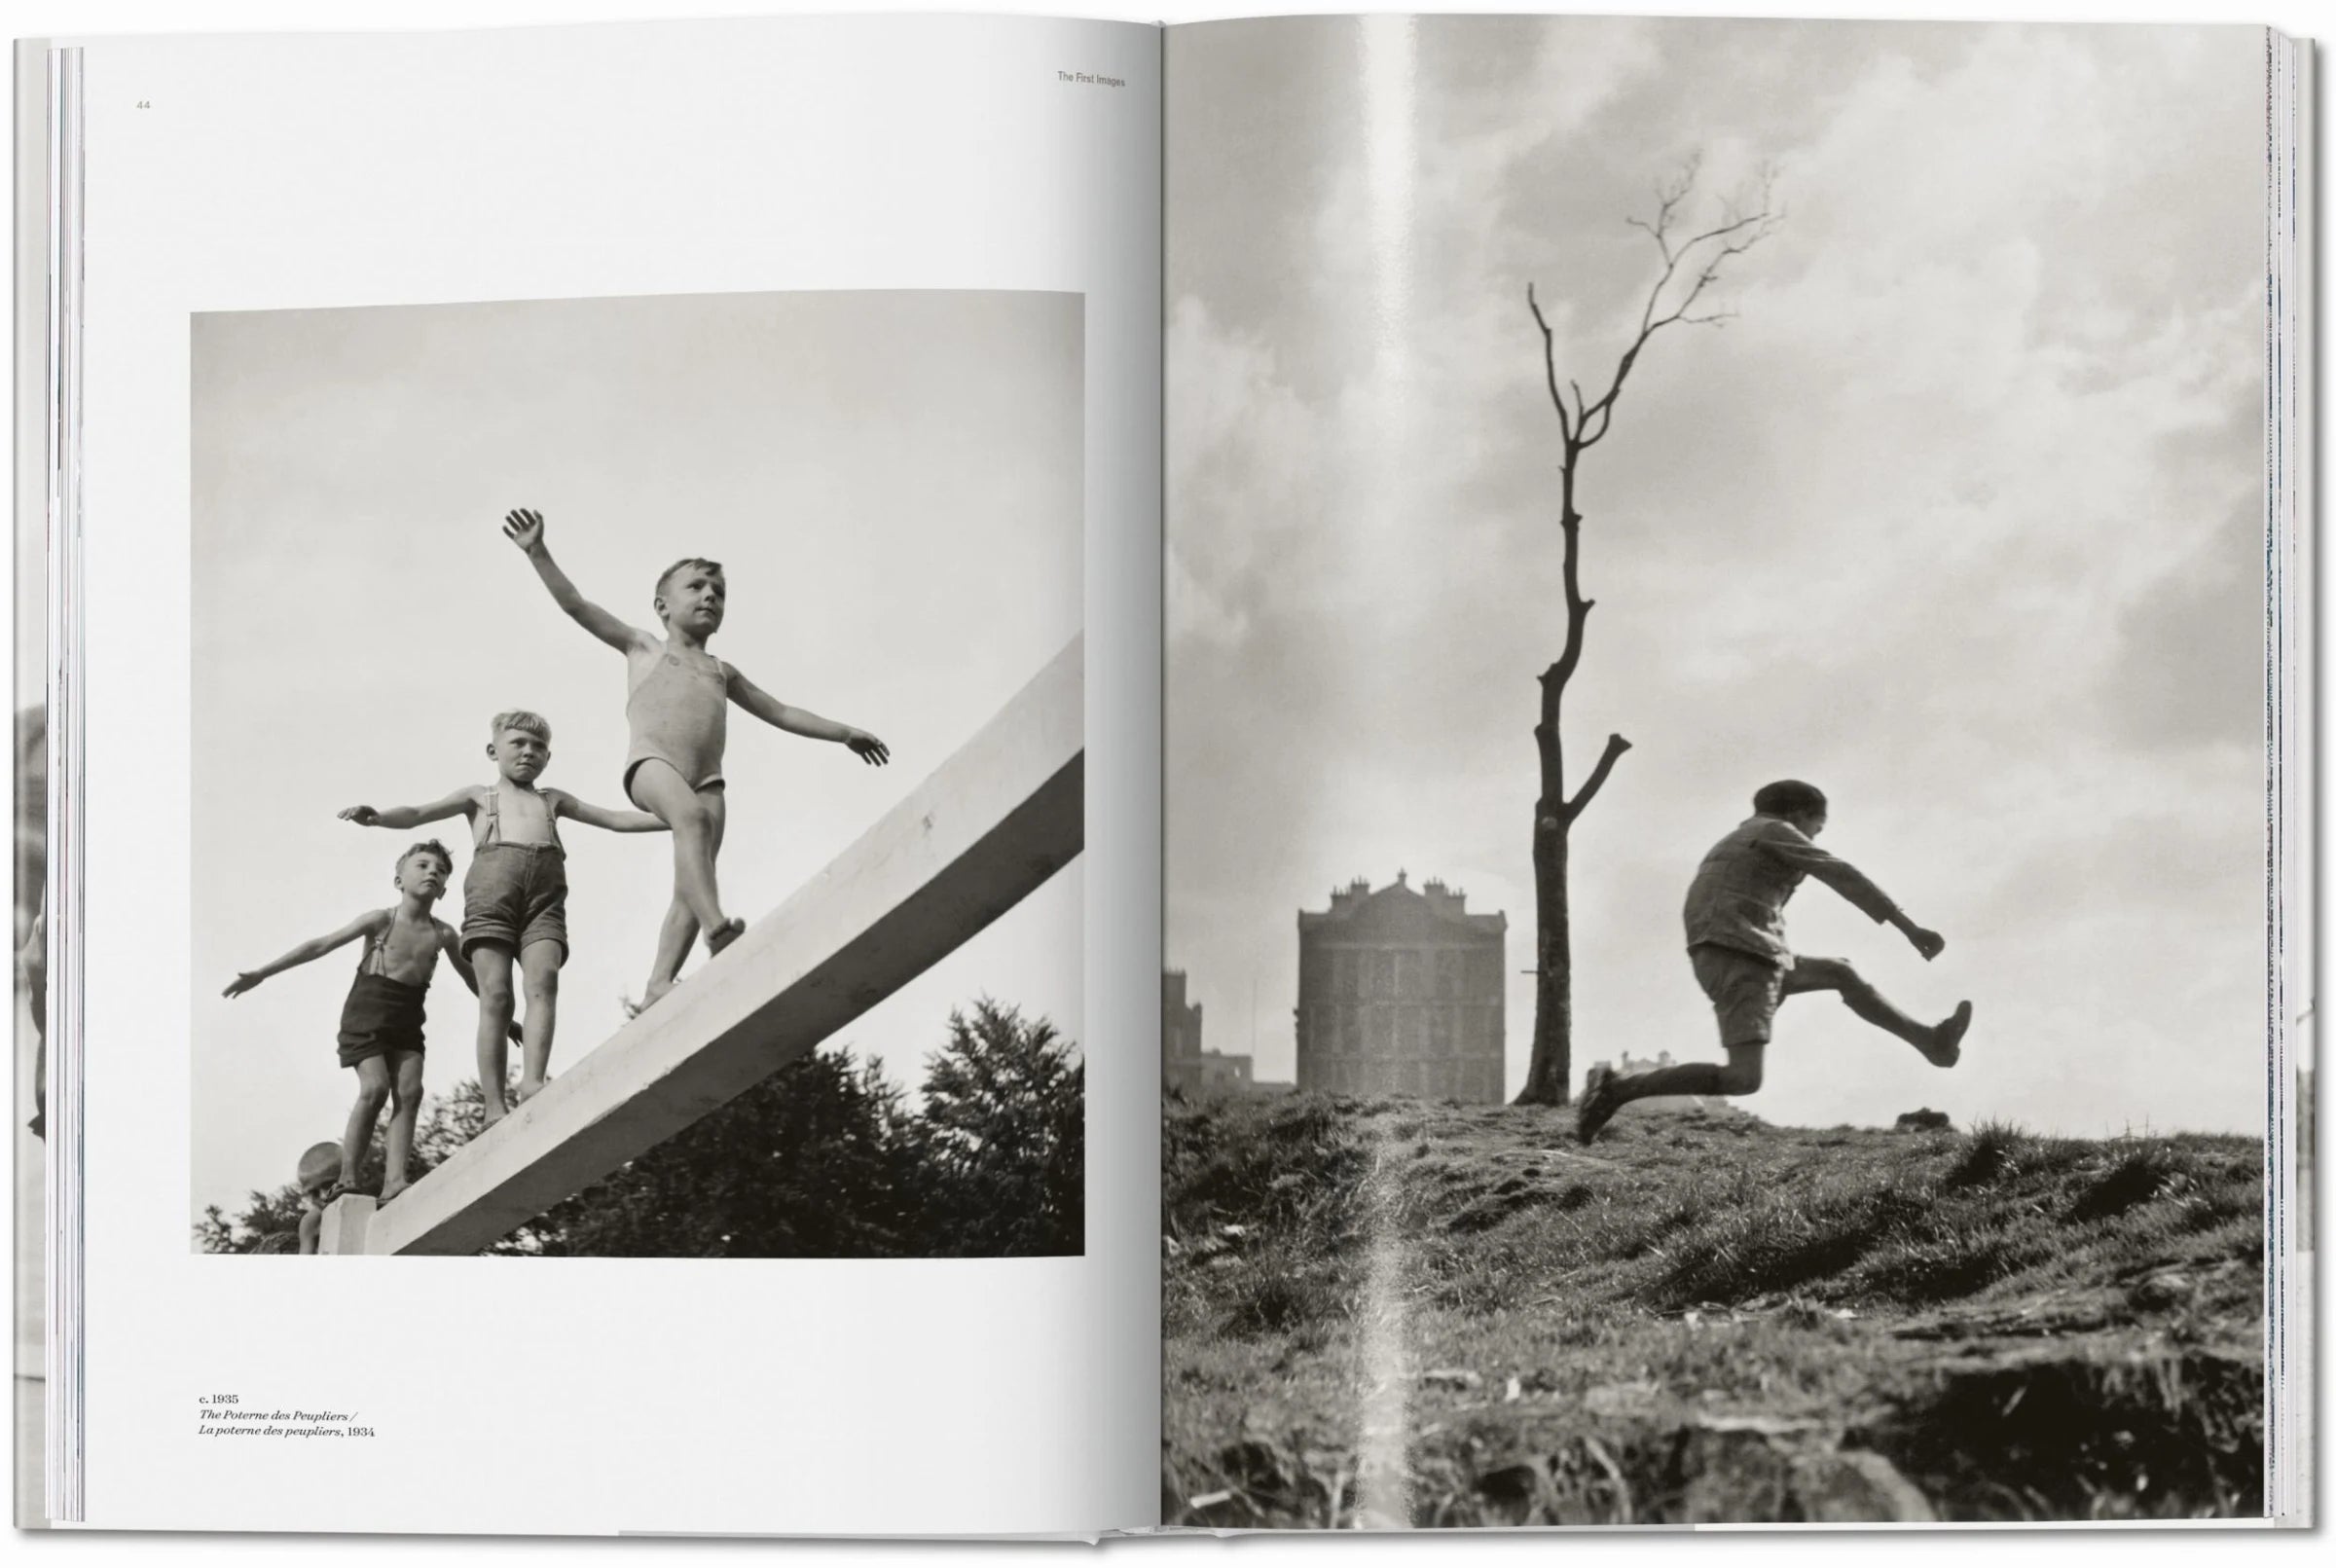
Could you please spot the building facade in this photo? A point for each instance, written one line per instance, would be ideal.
(1399, 992)
(1184, 1064)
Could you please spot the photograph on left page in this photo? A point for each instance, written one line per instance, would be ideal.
(578, 688)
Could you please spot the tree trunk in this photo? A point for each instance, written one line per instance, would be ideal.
(1548, 1080)
(1549, 1077)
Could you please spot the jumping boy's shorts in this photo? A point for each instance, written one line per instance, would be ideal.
(515, 895)
(1744, 990)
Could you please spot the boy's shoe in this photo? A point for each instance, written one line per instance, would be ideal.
(1597, 1105)
(1946, 1047)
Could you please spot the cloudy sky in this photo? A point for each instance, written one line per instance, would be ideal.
(1958, 518)
(893, 480)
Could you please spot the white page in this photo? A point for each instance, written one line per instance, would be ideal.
(713, 160)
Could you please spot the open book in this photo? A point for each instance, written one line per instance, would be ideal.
(853, 777)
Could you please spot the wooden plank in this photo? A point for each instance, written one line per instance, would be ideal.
(984, 831)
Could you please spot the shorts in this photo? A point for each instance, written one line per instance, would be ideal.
(1744, 990)
(380, 1018)
(515, 895)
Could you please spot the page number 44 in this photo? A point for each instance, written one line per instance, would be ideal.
(145, 103)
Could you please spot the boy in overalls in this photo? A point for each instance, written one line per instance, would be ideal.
(515, 896)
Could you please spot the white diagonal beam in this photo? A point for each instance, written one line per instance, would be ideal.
(992, 823)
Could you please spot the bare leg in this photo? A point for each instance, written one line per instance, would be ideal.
(312, 1226)
(675, 938)
(1604, 1094)
(1742, 1075)
(661, 792)
(1940, 1043)
(684, 918)
(373, 1092)
(540, 976)
(492, 963)
(404, 1104)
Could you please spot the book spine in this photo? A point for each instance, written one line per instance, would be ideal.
(62, 891)
(2289, 785)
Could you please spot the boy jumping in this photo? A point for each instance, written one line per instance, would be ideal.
(380, 1022)
(1735, 940)
(675, 693)
(515, 895)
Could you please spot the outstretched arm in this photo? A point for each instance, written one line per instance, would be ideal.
(524, 529)
(317, 947)
(564, 804)
(1791, 846)
(463, 801)
(802, 720)
(451, 944)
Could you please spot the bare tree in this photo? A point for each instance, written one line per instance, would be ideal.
(1689, 266)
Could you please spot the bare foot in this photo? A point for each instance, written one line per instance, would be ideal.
(390, 1189)
(1946, 1047)
(655, 994)
(528, 1091)
(493, 1114)
(731, 930)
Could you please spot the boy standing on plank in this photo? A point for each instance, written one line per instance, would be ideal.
(515, 896)
(676, 706)
(380, 1022)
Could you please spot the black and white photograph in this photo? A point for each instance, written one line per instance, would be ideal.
(637, 786)
(1624, 476)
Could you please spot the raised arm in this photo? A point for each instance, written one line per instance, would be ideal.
(315, 947)
(802, 720)
(524, 529)
(564, 804)
(450, 943)
(1792, 847)
(462, 801)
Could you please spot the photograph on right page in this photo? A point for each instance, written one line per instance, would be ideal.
(1715, 773)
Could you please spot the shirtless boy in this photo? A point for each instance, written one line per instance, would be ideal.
(1736, 941)
(515, 895)
(674, 707)
(380, 1022)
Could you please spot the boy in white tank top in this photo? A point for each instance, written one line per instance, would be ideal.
(676, 704)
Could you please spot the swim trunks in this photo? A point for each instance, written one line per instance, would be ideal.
(677, 703)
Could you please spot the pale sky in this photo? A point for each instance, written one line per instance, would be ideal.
(892, 482)
(1959, 519)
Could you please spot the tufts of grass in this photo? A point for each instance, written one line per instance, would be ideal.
(2131, 1179)
(1989, 1153)
(2027, 1326)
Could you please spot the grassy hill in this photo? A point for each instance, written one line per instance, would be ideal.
(1390, 1311)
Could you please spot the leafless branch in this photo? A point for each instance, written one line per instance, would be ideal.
(1743, 224)
(1616, 746)
(1549, 361)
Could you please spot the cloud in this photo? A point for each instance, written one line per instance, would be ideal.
(1921, 521)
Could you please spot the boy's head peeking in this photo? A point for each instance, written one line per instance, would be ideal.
(319, 1168)
(416, 872)
(521, 743)
(692, 592)
(1801, 804)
